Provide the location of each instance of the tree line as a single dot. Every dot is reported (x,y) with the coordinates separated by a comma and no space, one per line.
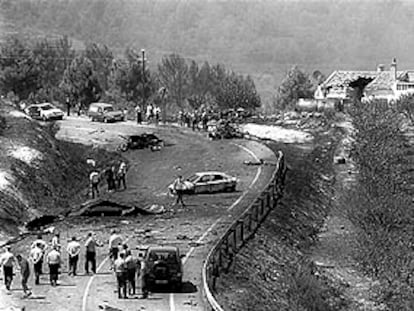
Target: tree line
(52,70)
(379,204)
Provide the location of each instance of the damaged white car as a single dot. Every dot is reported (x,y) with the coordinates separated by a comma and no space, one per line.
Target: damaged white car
(207,182)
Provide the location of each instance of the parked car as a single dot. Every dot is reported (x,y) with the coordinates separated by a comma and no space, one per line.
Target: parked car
(163,266)
(44,111)
(145,140)
(208,182)
(104,112)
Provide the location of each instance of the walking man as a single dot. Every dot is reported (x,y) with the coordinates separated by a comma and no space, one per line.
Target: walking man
(73,250)
(179,188)
(54,260)
(90,246)
(25,273)
(36,256)
(114,241)
(7,260)
(120,272)
(131,268)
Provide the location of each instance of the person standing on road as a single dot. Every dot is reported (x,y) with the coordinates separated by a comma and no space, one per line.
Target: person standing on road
(121,175)
(94,183)
(114,241)
(7,260)
(120,272)
(90,246)
(179,188)
(68,106)
(36,256)
(131,268)
(110,178)
(138,113)
(56,240)
(73,250)
(54,260)
(25,273)
(40,243)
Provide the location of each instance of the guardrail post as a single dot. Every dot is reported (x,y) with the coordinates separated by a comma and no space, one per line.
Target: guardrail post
(241,223)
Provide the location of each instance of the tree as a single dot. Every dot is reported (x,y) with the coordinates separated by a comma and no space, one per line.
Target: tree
(405,105)
(19,71)
(236,91)
(80,81)
(173,74)
(295,85)
(52,57)
(101,57)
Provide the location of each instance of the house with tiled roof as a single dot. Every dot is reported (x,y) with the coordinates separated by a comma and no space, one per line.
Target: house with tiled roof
(342,85)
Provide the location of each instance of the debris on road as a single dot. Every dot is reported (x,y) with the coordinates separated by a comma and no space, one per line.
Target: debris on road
(182,237)
(107,307)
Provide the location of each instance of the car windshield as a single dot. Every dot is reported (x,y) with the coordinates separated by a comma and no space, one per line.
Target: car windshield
(46,107)
(169,256)
(192,178)
(108,109)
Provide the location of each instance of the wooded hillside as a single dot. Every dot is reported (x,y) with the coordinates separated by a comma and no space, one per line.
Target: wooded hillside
(262,38)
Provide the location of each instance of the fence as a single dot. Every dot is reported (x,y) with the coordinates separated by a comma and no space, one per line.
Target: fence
(221,256)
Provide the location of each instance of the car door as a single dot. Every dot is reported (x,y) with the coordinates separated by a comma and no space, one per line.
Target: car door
(99,114)
(218,183)
(203,184)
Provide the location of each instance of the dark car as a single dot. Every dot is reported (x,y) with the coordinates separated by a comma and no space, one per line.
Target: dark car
(105,113)
(145,140)
(163,266)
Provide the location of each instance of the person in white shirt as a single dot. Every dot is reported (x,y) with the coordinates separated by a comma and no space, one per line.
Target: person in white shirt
(36,256)
(7,260)
(179,188)
(56,241)
(53,260)
(114,241)
(73,250)
(39,242)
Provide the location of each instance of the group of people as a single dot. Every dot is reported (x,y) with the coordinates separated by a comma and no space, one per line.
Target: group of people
(152,113)
(193,119)
(115,178)
(125,266)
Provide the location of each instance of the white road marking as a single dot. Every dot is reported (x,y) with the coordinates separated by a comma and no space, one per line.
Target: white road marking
(191,250)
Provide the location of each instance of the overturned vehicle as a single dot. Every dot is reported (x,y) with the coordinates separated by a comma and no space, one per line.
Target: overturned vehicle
(142,141)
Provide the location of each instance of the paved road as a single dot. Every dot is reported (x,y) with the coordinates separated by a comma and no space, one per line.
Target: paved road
(201,222)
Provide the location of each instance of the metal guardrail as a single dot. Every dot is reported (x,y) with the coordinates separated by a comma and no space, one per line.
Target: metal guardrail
(221,256)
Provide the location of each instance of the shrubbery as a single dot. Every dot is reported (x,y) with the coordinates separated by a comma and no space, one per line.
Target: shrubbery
(379,206)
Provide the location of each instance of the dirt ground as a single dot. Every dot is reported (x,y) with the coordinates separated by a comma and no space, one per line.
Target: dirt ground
(147,180)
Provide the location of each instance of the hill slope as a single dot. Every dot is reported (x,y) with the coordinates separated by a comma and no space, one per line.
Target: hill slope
(39,175)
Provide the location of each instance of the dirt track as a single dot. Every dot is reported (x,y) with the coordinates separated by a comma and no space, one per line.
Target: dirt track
(150,173)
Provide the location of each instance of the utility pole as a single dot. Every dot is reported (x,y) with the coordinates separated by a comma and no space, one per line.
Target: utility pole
(143,78)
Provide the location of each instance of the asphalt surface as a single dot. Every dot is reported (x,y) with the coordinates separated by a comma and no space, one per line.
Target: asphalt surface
(193,229)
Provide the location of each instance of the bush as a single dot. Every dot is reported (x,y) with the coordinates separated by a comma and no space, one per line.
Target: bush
(378,205)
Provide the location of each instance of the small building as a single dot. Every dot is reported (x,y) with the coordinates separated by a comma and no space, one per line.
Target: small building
(380,84)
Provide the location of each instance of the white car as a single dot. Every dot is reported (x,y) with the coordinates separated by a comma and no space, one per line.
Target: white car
(44,111)
(208,182)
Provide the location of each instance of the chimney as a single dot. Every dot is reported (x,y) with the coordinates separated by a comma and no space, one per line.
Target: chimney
(380,68)
(393,68)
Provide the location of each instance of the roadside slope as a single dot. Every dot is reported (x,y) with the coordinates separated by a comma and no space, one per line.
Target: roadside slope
(39,175)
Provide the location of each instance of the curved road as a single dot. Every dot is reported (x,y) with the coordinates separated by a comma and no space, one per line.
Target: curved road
(194,229)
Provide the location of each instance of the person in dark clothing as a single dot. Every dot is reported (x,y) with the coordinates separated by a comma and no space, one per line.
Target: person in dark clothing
(25,272)
(68,106)
(110,178)
(131,267)
(90,246)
